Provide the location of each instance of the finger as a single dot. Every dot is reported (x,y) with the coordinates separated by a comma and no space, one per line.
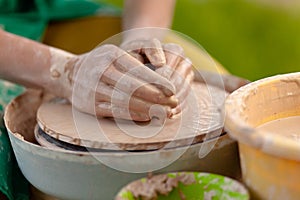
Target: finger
(127,63)
(184,68)
(166,71)
(106,93)
(135,87)
(186,87)
(105,109)
(178,109)
(174,55)
(182,94)
(133,46)
(154,52)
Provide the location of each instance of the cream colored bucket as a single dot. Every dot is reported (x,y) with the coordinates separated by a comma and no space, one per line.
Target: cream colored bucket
(270,162)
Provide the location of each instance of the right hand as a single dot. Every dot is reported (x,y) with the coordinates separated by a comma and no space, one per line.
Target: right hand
(168,60)
(110,83)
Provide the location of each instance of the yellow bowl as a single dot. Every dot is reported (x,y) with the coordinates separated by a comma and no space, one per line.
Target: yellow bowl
(270,162)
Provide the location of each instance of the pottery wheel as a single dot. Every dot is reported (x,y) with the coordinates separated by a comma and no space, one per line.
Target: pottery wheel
(200,120)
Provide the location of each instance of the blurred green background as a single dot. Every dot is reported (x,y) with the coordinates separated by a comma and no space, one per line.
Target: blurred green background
(251,39)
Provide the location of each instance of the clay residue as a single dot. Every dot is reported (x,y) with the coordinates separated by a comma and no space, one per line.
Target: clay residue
(209,195)
(19,136)
(288,127)
(20,113)
(291,80)
(55,74)
(233,186)
(151,188)
(61,71)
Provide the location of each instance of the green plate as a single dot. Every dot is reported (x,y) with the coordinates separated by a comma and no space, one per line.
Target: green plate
(184,185)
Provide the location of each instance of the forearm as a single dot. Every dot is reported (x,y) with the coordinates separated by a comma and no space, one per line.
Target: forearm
(148,13)
(26,62)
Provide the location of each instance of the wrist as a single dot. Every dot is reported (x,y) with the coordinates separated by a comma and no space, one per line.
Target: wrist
(145,33)
(62,66)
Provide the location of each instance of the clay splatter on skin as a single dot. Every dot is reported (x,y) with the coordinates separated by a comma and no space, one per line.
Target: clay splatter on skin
(60,64)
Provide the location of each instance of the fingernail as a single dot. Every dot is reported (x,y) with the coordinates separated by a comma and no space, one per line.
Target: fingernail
(167,91)
(173,101)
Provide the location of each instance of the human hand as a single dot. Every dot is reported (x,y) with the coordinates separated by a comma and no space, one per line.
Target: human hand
(168,60)
(107,80)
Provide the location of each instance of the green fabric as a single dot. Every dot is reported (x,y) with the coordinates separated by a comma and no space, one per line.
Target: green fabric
(29,19)
(12,182)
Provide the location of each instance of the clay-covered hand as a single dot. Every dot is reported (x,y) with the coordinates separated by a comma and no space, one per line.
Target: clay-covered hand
(111,83)
(168,60)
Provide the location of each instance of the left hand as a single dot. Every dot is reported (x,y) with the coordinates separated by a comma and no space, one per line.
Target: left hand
(109,82)
(168,60)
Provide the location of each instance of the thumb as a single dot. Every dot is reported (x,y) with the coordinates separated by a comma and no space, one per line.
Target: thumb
(154,52)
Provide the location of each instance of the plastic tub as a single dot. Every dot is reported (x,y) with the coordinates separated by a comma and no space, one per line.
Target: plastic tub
(270,162)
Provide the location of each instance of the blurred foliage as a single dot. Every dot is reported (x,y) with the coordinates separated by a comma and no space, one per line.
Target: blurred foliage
(250,39)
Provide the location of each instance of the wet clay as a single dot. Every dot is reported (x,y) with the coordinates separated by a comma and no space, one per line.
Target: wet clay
(59,60)
(151,188)
(205,116)
(288,127)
